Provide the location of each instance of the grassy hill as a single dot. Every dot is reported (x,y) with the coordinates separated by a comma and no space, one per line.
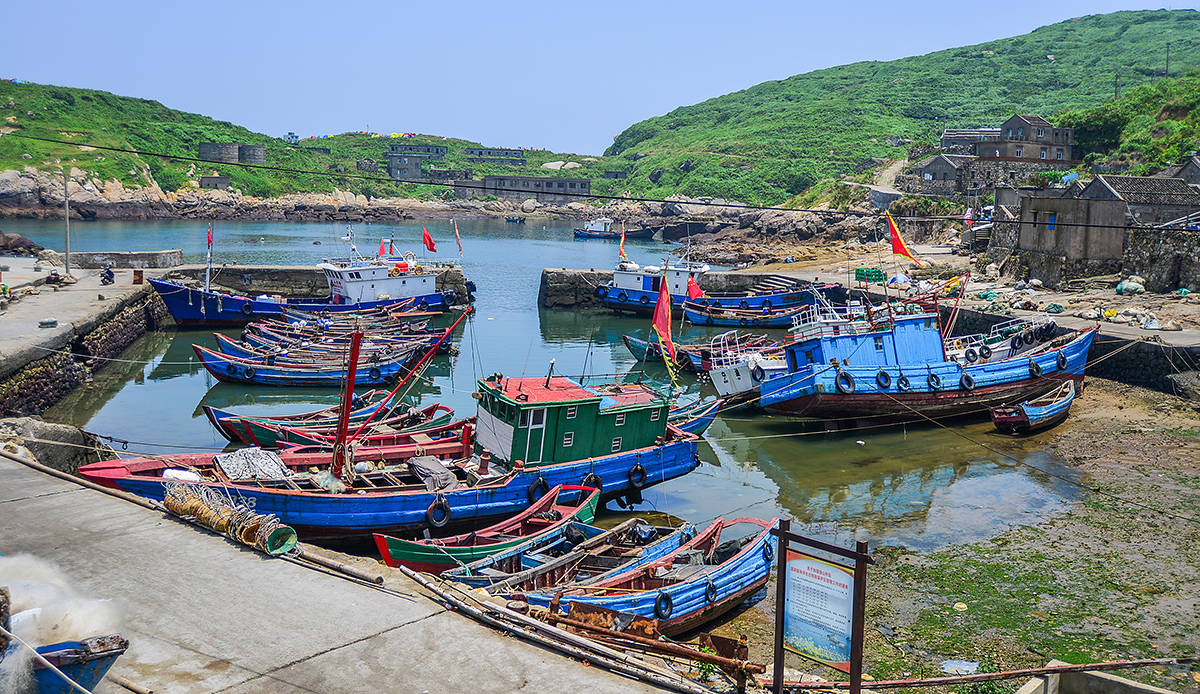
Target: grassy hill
(1147,128)
(775,139)
(102,118)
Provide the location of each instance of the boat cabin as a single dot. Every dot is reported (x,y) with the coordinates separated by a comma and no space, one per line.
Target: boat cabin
(602,225)
(629,275)
(915,338)
(353,280)
(555,419)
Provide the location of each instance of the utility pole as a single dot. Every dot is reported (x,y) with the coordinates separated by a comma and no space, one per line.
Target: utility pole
(67,223)
(1167,72)
(1117,85)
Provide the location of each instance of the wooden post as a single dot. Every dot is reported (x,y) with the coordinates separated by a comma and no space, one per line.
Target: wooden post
(66,224)
(859,618)
(780,601)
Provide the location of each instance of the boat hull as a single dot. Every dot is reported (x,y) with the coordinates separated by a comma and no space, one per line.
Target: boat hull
(643,300)
(191,306)
(233,370)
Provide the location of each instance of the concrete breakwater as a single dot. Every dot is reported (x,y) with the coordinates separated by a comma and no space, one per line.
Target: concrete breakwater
(576,288)
(295,281)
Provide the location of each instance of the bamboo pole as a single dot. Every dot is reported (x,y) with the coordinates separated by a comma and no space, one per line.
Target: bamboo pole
(336,565)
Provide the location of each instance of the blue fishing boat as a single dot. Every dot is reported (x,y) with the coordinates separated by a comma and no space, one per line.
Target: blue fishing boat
(634,288)
(85,662)
(318,353)
(331,374)
(581,554)
(602,228)
(356,284)
(765,317)
(695,417)
(530,434)
(228,422)
(895,366)
(1035,415)
(693,585)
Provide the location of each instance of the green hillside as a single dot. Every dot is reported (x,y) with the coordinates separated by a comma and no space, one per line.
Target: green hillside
(1148,128)
(775,139)
(102,118)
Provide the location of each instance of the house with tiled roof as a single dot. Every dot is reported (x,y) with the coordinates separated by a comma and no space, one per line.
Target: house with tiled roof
(943,174)
(1188,170)
(1029,137)
(1150,199)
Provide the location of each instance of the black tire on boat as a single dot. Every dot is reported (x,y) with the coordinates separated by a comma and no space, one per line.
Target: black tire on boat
(743,321)
(593,480)
(1061,360)
(710,591)
(883,379)
(431,513)
(247,308)
(538,489)
(766,305)
(622,297)
(971,355)
(231,369)
(844,383)
(967,382)
(934,381)
(1031,338)
(1035,369)
(768,552)
(902,383)
(637,476)
(984,351)
(375,373)
(743,304)
(645,300)
(1016,343)
(250,372)
(601,291)
(663,605)
(424,305)
(757,374)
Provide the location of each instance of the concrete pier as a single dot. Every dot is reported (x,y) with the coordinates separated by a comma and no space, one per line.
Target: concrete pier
(205,615)
(293,281)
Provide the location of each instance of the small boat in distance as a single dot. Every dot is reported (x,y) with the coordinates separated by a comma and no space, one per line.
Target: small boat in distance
(1038,414)
(602,228)
(514,220)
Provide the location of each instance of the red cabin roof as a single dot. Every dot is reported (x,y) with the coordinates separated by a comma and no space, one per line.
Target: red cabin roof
(563,389)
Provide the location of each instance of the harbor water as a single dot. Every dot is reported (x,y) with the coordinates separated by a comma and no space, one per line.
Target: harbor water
(918,485)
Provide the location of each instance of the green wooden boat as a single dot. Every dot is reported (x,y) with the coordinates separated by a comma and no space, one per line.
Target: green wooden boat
(546,516)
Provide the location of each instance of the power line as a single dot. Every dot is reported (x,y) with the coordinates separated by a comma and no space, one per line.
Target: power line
(594,196)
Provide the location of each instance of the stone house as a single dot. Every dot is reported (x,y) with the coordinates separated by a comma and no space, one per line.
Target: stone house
(1150,199)
(214,182)
(943,174)
(541,188)
(1188,170)
(967,137)
(1063,237)
(404,167)
(429,151)
(1030,137)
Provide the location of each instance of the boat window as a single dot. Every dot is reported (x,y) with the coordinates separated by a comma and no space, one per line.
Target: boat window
(654,415)
(621,419)
(655,283)
(878,342)
(524,419)
(539,416)
(808,356)
(572,411)
(568,439)
(616,445)
(928,323)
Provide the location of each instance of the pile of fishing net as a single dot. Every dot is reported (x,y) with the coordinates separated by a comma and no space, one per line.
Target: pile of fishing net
(238,521)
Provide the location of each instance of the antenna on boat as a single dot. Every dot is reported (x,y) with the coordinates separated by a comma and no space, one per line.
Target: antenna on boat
(549,373)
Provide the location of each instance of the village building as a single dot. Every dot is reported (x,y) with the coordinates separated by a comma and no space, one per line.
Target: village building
(966,138)
(1150,199)
(540,188)
(943,174)
(1030,137)
(404,167)
(214,182)
(417,150)
(1188,170)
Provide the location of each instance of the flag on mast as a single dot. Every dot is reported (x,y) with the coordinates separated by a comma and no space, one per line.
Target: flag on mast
(898,245)
(662,327)
(210,234)
(693,289)
(621,251)
(456,236)
(382,247)
(428,240)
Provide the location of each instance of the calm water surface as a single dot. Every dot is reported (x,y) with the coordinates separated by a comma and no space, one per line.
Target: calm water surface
(918,486)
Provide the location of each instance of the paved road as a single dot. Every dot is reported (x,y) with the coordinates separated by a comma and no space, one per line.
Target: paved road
(204,615)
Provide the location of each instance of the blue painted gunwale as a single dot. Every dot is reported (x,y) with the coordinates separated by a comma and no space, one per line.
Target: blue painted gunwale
(641,300)
(233,348)
(194,306)
(775,318)
(85,669)
(226,368)
(319,514)
(735,580)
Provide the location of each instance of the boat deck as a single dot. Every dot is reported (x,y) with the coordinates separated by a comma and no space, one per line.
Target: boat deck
(204,615)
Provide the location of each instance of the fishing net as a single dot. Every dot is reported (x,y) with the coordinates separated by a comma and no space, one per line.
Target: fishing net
(237,521)
(252,464)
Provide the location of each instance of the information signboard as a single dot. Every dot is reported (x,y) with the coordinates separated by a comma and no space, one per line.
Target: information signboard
(818,615)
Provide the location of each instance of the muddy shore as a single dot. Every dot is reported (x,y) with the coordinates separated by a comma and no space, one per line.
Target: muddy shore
(1115,577)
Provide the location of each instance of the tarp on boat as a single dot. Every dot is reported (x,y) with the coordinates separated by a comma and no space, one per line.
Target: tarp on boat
(431,471)
(252,464)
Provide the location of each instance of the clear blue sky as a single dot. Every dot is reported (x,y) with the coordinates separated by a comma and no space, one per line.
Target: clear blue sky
(556,74)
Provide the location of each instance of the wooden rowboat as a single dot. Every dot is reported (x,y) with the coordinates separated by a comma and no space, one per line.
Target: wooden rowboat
(1038,414)
(547,515)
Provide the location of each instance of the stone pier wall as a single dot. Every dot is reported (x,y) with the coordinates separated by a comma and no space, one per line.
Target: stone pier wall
(128,259)
(40,383)
(298,281)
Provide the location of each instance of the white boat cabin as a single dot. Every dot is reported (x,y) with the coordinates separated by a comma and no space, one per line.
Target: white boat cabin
(354,280)
(630,275)
(602,225)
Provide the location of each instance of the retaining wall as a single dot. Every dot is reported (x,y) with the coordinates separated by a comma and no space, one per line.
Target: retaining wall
(129,259)
(298,281)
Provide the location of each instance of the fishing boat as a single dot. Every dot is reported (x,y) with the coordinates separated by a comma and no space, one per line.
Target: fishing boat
(85,662)
(1035,415)
(765,317)
(364,405)
(258,372)
(634,288)
(530,434)
(549,514)
(398,428)
(514,220)
(695,417)
(694,357)
(356,283)
(695,584)
(581,554)
(602,228)
(318,354)
(895,366)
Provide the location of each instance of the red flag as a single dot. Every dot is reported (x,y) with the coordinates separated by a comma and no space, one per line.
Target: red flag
(693,290)
(382,248)
(428,240)
(621,250)
(898,245)
(391,248)
(662,319)
(457,237)
(210,234)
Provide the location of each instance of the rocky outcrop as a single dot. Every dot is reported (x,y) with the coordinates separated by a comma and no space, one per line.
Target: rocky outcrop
(15,244)
(60,446)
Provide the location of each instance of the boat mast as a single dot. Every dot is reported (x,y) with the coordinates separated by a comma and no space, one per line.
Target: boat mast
(341,458)
(208,262)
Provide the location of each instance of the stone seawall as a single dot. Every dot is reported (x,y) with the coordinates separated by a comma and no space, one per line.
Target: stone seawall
(293,281)
(576,288)
(32,381)
(129,259)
